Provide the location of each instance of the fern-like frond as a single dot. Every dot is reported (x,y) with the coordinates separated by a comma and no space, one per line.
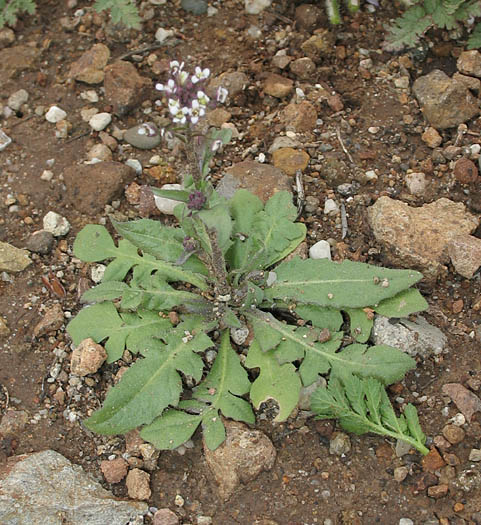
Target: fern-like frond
(122,11)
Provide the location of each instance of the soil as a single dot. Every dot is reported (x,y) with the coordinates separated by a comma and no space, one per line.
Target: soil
(307,485)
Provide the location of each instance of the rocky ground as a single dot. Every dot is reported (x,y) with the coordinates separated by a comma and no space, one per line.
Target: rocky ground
(388,147)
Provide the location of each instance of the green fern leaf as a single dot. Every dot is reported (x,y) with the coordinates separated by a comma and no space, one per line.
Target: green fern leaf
(121,11)
(407,29)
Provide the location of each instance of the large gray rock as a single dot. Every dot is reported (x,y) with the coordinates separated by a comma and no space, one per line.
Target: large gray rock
(445,102)
(418,237)
(413,337)
(242,457)
(46,488)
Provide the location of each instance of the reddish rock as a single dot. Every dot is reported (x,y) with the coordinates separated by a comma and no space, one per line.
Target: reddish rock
(125,89)
(91,186)
(138,484)
(335,102)
(89,68)
(289,160)
(432,138)
(262,180)
(300,117)
(277,85)
(52,320)
(438,491)
(465,171)
(165,517)
(433,461)
(114,471)
(87,358)
(241,458)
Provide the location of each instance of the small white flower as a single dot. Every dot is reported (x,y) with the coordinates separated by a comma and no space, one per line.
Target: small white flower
(174,106)
(183,76)
(202,98)
(159,87)
(216,145)
(200,74)
(170,88)
(181,116)
(222,94)
(196,111)
(175,66)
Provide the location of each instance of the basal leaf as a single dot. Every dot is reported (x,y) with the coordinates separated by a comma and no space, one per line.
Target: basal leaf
(150,384)
(275,381)
(361,322)
(275,230)
(119,330)
(386,363)
(171,429)
(219,219)
(337,285)
(94,243)
(320,316)
(156,239)
(412,420)
(265,333)
(315,360)
(403,304)
(175,195)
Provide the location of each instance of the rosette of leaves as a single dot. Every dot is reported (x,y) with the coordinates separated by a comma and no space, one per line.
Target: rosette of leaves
(273,324)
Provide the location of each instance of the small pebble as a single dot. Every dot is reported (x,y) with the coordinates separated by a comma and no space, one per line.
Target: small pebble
(161,35)
(320,250)
(454,434)
(18,99)
(100,121)
(331,207)
(406,521)
(55,114)
(475,454)
(340,444)
(56,224)
(400,473)
(135,164)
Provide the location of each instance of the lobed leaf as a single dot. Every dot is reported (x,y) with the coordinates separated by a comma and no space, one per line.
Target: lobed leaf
(337,285)
(275,381)
(120,330)
(93,243)
(121,11)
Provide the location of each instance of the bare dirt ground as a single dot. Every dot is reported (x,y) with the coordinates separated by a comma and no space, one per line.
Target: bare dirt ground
(307,485)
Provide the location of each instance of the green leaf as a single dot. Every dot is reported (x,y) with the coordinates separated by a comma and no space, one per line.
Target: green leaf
(337,285)
(315,361)
(124,330)
(121,11)
(361,323)
(407,29)
(218,393)
(150,384)
(275,231)
(219,219)
(362,406)
(320,316)
(10,10)
(474,40)
(278,382)
(175,195)
(386,363)
(156,239)
(93,243)
(403,304)
(243,209)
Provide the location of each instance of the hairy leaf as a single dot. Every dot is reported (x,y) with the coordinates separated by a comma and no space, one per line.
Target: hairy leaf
(474,41)
(337,285)
(407,29)
(150,384)
(93,243)
(403,304)
(121,330)
(10,9)
(320,316)
(156,239)
(362,406)
(361,321)
(121,11)
(218,393)
(275,381)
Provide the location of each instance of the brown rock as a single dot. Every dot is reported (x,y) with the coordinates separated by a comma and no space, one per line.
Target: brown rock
(465,171)
(138,484)
(277,85)
(319,46)
(432,138)
(445,102)
(300,117)
(165,517)
(334,101)
(290,160)
(7,37)
(114,471)
(13,421)
(469,63)
(451,459)
(4,329)
(441,443)
(89,68)
(474,84)
(281,61)
(14,60)
(418,237)
(453,434)
(218,116)
(125,89)
(52,320)
(91,186)
(262,180)
(241,458)
(308,16)
(467,402)
(304,68)
(87,358)
(438,491)
(133,442)
(432,461)
(235,82)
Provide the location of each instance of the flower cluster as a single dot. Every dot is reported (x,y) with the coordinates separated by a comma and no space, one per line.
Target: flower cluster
(187,100)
